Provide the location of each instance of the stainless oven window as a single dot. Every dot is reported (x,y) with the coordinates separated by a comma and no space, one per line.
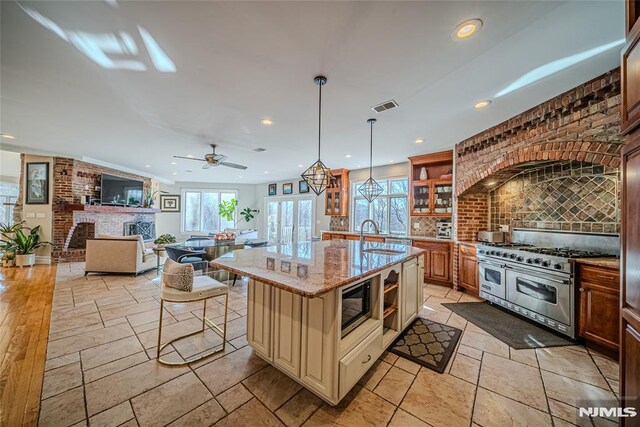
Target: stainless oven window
(493,276)
(536,290)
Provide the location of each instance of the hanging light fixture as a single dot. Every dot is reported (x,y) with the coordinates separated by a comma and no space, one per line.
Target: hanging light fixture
(317,176)
(370,189)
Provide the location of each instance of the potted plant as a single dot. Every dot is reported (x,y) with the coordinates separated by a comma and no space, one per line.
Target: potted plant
(8,259)
(149,194)
(8,232)
(24,245)
(227,208)
(165,239)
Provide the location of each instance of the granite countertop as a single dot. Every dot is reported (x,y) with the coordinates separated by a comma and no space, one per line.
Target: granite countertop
(390,236)
(607,262)
(311,269)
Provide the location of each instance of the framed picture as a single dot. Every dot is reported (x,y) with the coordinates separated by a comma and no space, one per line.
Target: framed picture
(271,264)
(287,188)
(303,187)
(285,266)
(272,189)
(302,271)
(170,203)
(37,183)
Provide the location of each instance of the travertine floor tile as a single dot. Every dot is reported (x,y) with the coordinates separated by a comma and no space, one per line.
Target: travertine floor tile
(62,361)
(109,352)
(113,417)
(252,413)
(492,409)
(407,365)
(87,340)
(485,343)
(571,391)
(373,376)
(570,363)
(170,401)
(115,366)
(299,408)
(404,419)
(204,415)
(359,408)
(518,381)
(465,368)
(65,409)
(526,356)
(272,387)
(440,399)
(394,385)
(608,367)
(228,370)
(109,391)
(61,379)
(234,397)
(567,413)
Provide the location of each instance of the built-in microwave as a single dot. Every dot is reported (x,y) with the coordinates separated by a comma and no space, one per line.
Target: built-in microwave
(356,306)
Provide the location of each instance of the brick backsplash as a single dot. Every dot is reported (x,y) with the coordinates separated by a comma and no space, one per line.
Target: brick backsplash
(569,196)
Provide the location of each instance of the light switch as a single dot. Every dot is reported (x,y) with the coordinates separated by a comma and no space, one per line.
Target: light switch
(30,215)
(40,215)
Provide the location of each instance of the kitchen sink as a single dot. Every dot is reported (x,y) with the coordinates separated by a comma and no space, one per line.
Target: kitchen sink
(382,251)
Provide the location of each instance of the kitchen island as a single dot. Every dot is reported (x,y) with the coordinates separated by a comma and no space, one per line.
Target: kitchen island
(323,312)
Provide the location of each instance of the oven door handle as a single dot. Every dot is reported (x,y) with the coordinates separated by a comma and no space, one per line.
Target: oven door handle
(542,276)
(484,262)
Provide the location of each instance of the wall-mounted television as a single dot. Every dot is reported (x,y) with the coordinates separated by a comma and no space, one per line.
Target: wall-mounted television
(115,190)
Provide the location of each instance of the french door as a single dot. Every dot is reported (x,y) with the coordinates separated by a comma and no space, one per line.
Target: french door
(289,219)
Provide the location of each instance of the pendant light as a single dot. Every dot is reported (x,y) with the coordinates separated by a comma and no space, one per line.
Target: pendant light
(370,189)
(317,176)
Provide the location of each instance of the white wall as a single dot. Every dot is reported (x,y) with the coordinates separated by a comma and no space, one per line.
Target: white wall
(169,222)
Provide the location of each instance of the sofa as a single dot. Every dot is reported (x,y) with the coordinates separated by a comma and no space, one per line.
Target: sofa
(118,254)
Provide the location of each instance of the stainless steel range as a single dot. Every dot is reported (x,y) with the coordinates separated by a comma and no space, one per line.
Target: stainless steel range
(534,276)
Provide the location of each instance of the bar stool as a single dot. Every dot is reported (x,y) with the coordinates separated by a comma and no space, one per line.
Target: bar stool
(204,288)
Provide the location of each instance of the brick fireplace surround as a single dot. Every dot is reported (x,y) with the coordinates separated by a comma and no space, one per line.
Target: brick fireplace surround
(581,125)
(73,179)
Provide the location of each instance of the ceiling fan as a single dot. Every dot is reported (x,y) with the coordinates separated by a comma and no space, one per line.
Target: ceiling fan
(214,159)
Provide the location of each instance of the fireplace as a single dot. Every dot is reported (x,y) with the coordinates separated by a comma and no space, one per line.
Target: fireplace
(80,234)
(147,229)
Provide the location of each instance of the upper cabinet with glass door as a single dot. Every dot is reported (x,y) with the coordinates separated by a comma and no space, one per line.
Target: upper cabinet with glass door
(337,194)
(431,192)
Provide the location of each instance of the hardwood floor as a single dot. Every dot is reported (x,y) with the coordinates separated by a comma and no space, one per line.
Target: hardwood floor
(25,312)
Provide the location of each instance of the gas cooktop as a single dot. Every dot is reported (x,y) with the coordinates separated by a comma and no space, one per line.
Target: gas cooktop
(564,252)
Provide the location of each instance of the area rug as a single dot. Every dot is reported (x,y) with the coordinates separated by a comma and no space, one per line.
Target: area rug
(511,329)
(427,343)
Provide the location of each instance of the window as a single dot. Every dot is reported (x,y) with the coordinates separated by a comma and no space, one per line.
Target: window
(389,210)
(8,196)
(200,213)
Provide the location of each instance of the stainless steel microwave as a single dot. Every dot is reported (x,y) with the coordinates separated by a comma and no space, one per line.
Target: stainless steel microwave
(356,306)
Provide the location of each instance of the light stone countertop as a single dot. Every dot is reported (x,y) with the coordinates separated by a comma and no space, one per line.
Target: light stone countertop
(311,269)
(607,262)
(390,236)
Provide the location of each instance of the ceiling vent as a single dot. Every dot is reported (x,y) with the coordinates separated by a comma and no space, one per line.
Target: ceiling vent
(259,149)
(387,105)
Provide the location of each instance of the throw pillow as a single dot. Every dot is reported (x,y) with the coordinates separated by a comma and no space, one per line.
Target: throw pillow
(178,276)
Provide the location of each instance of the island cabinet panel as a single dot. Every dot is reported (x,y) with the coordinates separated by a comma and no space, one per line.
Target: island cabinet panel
(259,313)
(409,291)
(319,337)
(599,317)
(287,331)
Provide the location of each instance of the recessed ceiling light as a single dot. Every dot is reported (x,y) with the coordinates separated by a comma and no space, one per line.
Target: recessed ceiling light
(173,163)
(266,171)
(266,122)
(358,166)
(175,173)
(6,135)
(391,161)
(147,166)
(190,156)
(240,176)
(348,156)
(467,29)
(299,166)
(419,141)
(482,104)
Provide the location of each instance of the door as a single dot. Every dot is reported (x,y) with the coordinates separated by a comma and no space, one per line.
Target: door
(630,265)
(289,220)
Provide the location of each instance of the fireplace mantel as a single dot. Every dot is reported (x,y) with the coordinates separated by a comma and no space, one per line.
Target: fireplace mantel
(109,209)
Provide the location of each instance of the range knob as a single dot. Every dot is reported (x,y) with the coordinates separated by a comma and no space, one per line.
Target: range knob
(546,263)
(481,251)
(498,253)
(512,256)
(537,261)
(529,261)
(492,252)
(505,255)
(557,266)
(520,258)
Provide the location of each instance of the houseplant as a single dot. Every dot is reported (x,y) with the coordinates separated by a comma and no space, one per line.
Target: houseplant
(165,239)
(149,194)
(8,259)
(24,245)
(227,208)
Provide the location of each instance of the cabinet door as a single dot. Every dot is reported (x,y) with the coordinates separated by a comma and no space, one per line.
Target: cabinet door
(259,312)
(287,331)
(599,315)
(409,291)
(318,363)
(630,77)
(469,272)
(326,236)
(439,265)
(630,360)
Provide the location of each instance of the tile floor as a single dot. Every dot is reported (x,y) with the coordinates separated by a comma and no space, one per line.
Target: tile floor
(101,371)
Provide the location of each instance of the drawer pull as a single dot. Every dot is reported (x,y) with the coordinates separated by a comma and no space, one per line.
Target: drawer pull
(368,359)
(604,276)
(581,289)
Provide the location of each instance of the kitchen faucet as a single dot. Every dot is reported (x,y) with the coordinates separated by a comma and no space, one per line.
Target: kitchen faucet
(376,230)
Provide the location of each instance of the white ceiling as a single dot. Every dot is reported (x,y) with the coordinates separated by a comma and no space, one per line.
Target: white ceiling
(238,62)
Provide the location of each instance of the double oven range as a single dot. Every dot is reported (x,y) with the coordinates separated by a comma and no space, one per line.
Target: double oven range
(534,276)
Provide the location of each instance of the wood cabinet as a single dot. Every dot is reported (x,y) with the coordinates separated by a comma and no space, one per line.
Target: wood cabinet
(599,305)
(438,261)
(433,195)
(337,194)
(468,268)
(337,236)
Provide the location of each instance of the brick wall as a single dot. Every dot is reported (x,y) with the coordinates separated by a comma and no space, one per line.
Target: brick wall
(73,179)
